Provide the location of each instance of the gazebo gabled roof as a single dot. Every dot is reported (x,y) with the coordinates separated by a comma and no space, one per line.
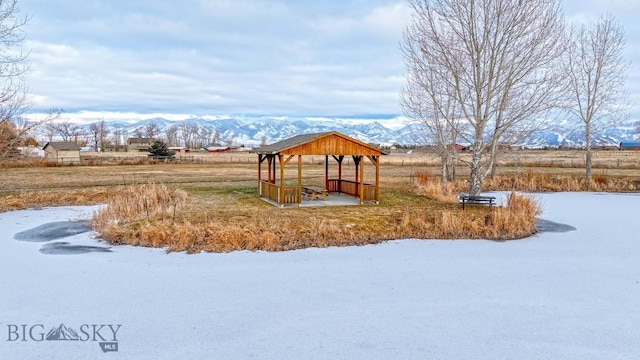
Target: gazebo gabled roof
(327,143)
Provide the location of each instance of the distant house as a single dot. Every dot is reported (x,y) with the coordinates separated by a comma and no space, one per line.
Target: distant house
(627,145)
(216,149)
(242,148)
(62,151)
(114,148)
(457,147)
(506,147)
(179,149)
(139,144)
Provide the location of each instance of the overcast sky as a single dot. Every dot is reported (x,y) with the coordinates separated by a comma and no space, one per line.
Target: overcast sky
(237,57)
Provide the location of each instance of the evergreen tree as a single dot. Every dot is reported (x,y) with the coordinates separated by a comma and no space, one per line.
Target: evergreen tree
(160,149)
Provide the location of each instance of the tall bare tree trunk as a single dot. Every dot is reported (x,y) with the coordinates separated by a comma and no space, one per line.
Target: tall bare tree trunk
(452,173)
(477,173)
(587,149)
(597,75)
(445,169)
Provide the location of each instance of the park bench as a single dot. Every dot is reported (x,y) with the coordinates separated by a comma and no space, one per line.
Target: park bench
(465,199)
(314,192)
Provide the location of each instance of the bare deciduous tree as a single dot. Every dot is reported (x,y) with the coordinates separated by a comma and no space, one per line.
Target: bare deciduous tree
(17,131)
(189,133)
(208,135)
(216,136)
(14,100)
(496,60)
(151,130)
(13,62)
(437,121)
(229,141)
(118,143)
(94,136)
(68,131)
(172,135)
(597,75)
(97,135)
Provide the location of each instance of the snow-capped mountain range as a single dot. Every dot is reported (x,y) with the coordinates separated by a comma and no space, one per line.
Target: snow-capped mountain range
(383,131)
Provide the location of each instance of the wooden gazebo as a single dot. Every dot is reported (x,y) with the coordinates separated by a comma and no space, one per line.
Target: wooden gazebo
(330,144)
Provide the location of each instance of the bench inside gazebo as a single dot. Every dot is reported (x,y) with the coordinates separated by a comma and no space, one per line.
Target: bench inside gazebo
(333,145)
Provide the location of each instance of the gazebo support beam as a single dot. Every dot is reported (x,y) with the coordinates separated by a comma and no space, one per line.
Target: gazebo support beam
(339,160)
(326,171)
(269,166)
(356,161)
(299,179)
(260,159)
(282,164)
(377,179)
(273,168)
(375,160)
(361,181)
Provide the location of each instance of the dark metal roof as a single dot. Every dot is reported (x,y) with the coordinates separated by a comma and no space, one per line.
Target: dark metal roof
(63,145)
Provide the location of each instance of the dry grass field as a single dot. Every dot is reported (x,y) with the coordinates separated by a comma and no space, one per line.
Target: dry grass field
(212,204)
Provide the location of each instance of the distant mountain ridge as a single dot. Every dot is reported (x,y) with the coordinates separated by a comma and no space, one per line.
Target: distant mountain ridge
(252,131)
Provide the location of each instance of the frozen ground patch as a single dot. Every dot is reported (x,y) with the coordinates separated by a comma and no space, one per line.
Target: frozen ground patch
(65,248)
(52,231)
(556,295)
(550,226)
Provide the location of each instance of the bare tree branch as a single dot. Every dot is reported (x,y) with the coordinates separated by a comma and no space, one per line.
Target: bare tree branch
(490,65)
(597,76)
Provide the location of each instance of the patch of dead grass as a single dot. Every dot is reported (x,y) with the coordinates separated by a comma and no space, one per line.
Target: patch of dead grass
(35,199)
(258,226)
(532,181)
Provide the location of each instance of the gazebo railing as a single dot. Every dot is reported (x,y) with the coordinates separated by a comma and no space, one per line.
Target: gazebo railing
(271,191)
(352,188)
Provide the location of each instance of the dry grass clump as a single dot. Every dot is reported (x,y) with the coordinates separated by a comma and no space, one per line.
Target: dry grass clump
(433,188)
(262,232)
(513,221)
(540,182)
(136,202)
(31,163)
(528,181)
(36,199)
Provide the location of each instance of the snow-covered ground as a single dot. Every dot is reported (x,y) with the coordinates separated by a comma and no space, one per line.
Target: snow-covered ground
(556,295)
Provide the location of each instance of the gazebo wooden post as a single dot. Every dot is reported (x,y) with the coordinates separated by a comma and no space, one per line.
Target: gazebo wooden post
(299,179)
(269,161)
(326,172)
(273,167)
(377,158)
(260,158)
(356,161)
(339,159)
(281,191)
(361,181)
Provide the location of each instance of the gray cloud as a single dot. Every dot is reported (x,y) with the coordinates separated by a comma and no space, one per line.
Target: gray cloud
(232,56)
